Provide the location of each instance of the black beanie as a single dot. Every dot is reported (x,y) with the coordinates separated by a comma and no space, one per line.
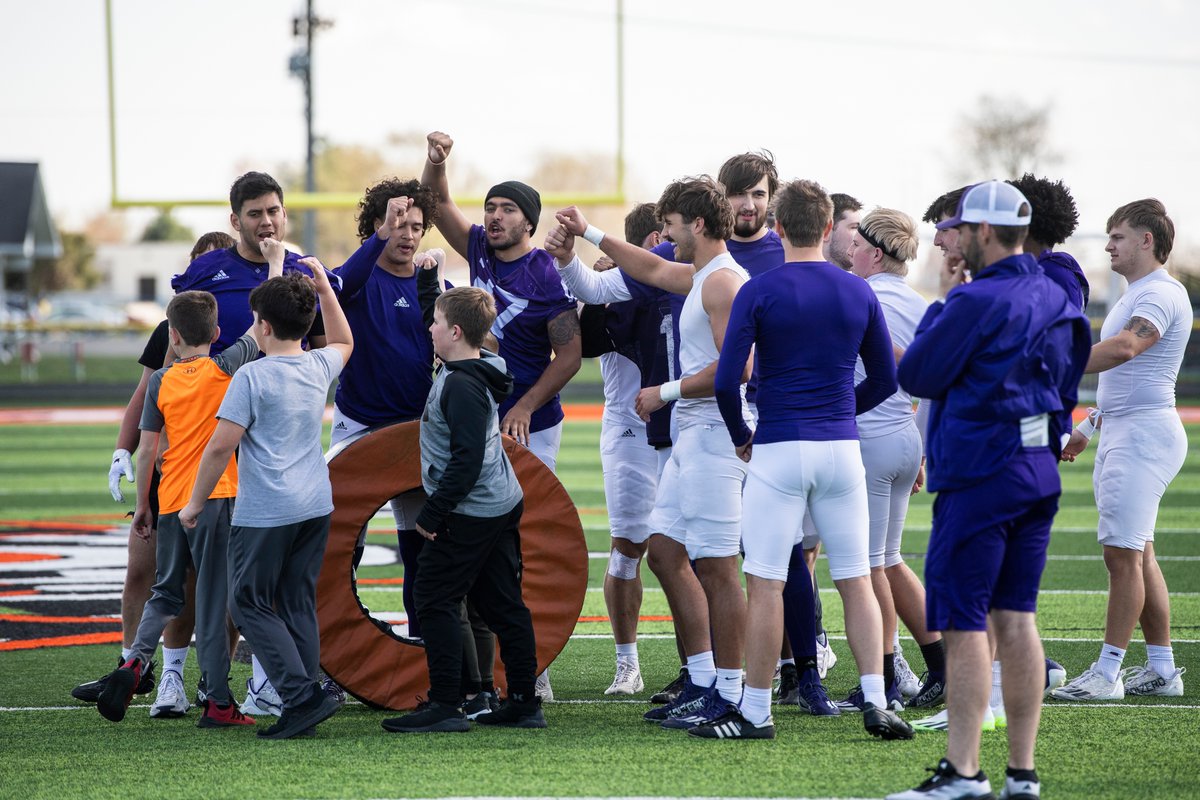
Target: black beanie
(524,195)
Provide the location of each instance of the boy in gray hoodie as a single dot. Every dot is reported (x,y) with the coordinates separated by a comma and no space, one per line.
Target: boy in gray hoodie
(471,523)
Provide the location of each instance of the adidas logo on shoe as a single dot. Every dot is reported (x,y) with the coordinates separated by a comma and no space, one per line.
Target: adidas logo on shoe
(629,434)
(401,303)
(220,276)
(341,426)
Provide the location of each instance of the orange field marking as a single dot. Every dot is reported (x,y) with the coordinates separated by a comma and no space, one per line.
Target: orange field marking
(38,618)
(62,641)
(640,619)
(14,558)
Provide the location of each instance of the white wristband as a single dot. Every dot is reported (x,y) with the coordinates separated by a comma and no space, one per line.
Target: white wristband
(1086,427)
(672,390)
(593,235)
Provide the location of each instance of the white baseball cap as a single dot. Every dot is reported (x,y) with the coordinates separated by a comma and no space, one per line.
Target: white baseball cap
(993,202)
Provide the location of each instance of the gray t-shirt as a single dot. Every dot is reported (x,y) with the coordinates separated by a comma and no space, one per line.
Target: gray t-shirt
(280,401)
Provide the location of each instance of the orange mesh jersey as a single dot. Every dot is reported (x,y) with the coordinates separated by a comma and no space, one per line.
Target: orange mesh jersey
(182,402)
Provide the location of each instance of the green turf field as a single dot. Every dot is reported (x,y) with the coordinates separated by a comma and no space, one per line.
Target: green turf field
(52,747)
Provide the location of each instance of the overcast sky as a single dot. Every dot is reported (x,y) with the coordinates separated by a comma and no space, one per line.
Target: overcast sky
(865,97)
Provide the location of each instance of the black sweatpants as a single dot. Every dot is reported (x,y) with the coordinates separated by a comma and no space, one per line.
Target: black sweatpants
(479,558)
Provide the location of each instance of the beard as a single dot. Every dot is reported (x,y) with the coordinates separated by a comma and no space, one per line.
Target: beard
(747,228)
(839,256)
(972,256)
(510,237)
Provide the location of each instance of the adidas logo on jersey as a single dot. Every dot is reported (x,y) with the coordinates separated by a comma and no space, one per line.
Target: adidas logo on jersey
(220,276)
(401,303)
(629,434)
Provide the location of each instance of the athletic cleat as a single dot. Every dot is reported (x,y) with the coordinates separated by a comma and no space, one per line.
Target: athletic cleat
(947,784)
(1091,685)
(732,725)
(1021,789)
(906,679)
(1145,682)
(714,706)
(480,704)
(788,691)
(432,717)
(628,679)
(932,693)
(90,692)
(219,716)
(514,713)
(884,723)
(331,687)
(298,720)
(826,658)
(172,701)
(812,698)
(1056,676)
(668,693)
(541,687)
(941,722)
(118,690)
(856,702)
(260,701)
(688,700)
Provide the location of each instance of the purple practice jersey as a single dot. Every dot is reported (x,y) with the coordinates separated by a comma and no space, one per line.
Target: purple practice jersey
(390,372)
(809,321)
(230,278)
(528,294)
(758,256)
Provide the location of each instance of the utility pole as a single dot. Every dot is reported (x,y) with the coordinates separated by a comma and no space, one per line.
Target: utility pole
(300,65)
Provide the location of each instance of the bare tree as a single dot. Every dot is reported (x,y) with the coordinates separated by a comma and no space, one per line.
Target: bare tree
(1004,138)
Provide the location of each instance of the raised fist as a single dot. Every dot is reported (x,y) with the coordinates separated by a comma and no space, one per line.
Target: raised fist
(439,147)
(572,219)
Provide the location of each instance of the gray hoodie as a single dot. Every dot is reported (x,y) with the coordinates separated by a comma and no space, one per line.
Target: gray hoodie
(464,468)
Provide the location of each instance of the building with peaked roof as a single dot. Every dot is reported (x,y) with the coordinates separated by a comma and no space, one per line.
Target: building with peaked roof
(27,233)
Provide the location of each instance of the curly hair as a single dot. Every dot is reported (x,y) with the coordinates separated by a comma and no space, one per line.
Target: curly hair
(1055,216)
(945,205)
(698,197)
(373,206)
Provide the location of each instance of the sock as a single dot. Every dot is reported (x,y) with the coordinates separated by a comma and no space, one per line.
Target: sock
(1162,659)
(628,652)
(174,658)
(260,674)
(997,700)
(729,684)
(1109,663)
(934,654)
(889,670)
(701,669)
(125,653)
(799,621)
(783,661)
(756,705)
(873,690)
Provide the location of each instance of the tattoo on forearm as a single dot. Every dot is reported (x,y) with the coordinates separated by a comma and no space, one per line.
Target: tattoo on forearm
(1141,328)
(563,328)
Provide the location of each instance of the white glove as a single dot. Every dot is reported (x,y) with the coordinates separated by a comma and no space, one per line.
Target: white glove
(121,465)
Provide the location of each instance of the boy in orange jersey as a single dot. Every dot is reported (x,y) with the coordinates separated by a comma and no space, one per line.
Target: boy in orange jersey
(181,404)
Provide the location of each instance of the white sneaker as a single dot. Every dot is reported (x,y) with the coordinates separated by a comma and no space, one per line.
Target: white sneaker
(261,701)
(542,687)
(1023,789)
(947,784)
(941,721)
(1091,685)
(826,658)
(906,680)
(1145,681)
(628,679)
(171,701)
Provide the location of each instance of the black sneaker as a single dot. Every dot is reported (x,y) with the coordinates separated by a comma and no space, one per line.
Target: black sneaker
(668,693)
(90,692)
(947,784)
(482,703)
(931,694)
(297,720)
(516,713)
(435,717)
(788,691)
(118,690)
(884,723)
(732,725)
